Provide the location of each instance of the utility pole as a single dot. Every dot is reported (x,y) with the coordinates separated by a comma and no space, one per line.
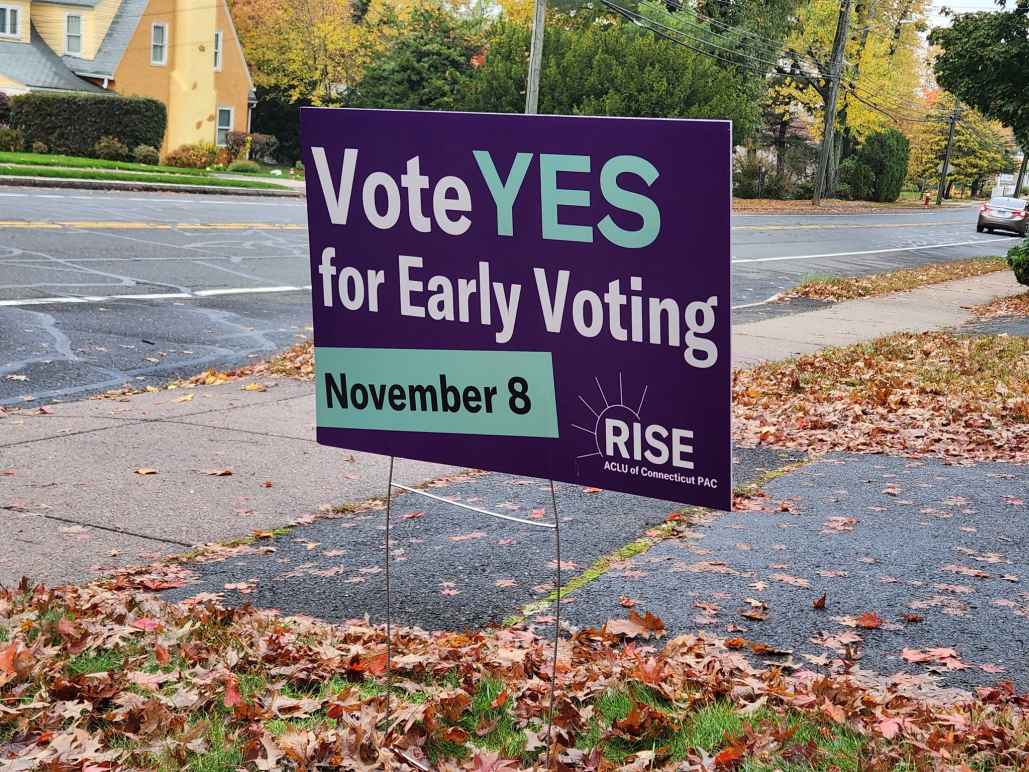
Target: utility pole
(532,87)
(1021,172)
(835,73)
(954,116)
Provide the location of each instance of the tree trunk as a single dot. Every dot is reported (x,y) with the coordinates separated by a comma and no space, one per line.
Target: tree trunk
(864,14)
(780,145)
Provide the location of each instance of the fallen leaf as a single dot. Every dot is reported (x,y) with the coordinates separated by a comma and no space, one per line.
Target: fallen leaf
(637,626)
(791,580)
(869,620)
(145,470)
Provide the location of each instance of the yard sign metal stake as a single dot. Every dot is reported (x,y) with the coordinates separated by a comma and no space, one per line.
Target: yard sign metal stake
(531,107)
(557,619)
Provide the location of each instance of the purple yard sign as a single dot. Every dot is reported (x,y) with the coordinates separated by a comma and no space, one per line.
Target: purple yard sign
(539,295)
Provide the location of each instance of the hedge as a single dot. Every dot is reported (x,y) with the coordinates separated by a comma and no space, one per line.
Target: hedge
(72,124)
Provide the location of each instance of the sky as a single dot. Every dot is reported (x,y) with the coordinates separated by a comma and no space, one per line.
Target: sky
(960,6)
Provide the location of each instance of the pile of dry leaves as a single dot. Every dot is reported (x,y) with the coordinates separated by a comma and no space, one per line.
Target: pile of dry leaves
(851,287)
(106,676)
(961,398)
(295,362)
(828,206)
(1015,305)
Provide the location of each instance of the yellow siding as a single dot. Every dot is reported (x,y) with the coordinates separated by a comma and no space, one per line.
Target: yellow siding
(188,84)
(49,21)
(135,75)
(23,18)
(191,101)
(232,82)
(11,86)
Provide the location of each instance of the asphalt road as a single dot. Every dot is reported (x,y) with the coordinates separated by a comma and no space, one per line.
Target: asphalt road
(99,289)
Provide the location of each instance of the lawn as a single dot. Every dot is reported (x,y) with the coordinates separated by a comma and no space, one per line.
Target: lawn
(198,178)
(78,162)
(108,674)
(838,288)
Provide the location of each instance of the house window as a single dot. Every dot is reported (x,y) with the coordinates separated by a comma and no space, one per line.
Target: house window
(159,44)
(72,34)
(8,21)
(217,51)
(224,126)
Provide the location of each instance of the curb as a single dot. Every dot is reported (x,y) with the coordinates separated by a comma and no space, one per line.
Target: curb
(156,187)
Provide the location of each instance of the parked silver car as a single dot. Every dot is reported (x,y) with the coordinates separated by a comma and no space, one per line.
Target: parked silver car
(1006,214)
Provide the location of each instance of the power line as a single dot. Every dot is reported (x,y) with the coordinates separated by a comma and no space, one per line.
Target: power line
(642,21)
(773,45)
(663,30)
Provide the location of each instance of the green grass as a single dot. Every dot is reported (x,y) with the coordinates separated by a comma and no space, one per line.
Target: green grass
(115,176)
(281,726)
(503,736)
(709,729)
(99,662)
(78,162)
(221,755)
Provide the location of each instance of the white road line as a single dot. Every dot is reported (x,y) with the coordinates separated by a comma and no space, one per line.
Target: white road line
(865,251)
(150,296)
(246,291)
(764,302)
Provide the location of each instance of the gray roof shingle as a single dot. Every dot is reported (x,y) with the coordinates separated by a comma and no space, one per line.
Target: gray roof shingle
(38,67)
(112,49)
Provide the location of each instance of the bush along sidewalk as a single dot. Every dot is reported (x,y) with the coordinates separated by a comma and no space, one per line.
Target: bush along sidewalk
(74,124)
(1018,259)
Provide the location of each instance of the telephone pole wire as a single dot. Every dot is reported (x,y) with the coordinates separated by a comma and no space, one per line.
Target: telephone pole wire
(532,87)
(954,116)
(835,74)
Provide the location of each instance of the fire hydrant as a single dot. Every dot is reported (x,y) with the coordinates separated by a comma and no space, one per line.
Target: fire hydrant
(925,199)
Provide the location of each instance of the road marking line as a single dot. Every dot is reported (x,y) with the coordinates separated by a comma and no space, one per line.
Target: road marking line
(161,226)
(865,251)
(764,302)
(68,299)
(246,291)
(842,226)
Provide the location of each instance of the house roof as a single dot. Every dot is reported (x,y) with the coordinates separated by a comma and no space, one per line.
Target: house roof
(82,3)
(112,49)
(38,67)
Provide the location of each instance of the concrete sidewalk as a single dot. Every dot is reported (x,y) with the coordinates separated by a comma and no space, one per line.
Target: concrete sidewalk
(73,504)
(932,307)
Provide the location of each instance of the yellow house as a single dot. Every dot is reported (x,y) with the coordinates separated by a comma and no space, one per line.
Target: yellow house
(183,52)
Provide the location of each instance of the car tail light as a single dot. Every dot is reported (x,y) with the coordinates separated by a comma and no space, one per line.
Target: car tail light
(982,208)
(1019,213)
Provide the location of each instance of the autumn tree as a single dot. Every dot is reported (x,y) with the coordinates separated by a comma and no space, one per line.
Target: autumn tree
(881,84)
(980,149)
(594,65)
(425,68)
(983,60)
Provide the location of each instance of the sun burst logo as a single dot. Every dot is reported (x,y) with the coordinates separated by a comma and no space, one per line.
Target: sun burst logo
(619,412)
(627,445)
